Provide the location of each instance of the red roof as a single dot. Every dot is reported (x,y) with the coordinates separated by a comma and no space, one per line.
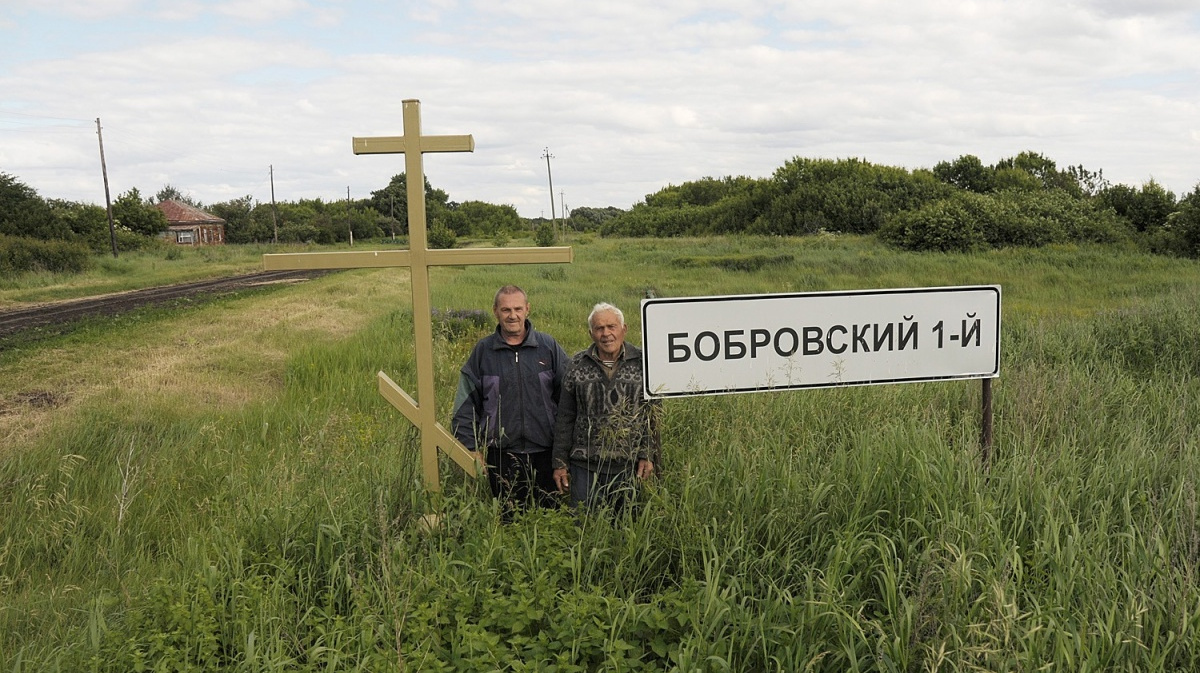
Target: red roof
(181,213)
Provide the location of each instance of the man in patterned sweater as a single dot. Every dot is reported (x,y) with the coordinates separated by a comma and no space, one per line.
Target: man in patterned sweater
(606,437)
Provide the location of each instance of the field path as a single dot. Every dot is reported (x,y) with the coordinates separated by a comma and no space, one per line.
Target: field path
(65,312)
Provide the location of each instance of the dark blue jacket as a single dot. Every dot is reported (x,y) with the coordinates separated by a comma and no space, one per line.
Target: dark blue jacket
(508,395)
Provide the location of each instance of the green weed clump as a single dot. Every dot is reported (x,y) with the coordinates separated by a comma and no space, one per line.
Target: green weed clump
(845,529)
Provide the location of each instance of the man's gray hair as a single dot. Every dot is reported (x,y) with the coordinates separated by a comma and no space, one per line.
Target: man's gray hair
(508,289)
(605,307)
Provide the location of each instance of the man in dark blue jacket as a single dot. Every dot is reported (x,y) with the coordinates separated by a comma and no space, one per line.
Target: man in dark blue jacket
(506,404)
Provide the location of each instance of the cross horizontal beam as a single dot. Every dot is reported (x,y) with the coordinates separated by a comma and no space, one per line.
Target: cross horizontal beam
(398,144)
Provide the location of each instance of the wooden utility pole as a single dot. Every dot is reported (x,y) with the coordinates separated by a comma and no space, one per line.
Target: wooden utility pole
(112,231)
(274,217)
(562,202)
(547,156)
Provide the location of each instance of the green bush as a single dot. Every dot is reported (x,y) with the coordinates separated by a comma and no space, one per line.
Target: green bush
(943,226)
(25,255)
(1012,217)
(544,236)
(442,237)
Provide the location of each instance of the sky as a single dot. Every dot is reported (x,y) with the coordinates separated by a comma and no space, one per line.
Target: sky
(216,97)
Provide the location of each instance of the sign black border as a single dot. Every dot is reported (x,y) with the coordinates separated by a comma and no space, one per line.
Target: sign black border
(995,373)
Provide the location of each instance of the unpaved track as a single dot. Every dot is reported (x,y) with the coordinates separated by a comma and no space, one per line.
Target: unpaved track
(58,314)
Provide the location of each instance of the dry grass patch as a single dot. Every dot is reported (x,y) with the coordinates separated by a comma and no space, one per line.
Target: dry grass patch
(219,356)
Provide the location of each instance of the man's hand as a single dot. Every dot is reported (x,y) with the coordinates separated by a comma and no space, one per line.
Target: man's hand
(645,469)
(561,480)
(481,461)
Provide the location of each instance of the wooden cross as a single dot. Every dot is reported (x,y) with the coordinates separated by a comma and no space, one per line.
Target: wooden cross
(419,258)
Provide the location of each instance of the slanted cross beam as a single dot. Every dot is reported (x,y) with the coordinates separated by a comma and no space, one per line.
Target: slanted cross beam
(418,258)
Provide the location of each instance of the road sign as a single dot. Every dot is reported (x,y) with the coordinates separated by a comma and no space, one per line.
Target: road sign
(748,343)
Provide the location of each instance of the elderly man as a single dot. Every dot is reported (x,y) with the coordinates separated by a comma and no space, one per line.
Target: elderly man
(504,410)
(606,438)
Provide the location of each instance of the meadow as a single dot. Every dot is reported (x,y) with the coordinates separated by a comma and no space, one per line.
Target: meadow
(221,487)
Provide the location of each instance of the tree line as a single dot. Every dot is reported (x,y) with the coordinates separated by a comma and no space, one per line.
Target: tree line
(959,205)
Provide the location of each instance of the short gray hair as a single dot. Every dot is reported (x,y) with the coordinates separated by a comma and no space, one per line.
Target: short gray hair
(605,307)
(508,289)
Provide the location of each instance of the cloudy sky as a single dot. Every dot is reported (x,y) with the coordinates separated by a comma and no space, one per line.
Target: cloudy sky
(627,96)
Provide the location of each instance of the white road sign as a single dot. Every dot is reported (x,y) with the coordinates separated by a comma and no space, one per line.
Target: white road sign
(748,343)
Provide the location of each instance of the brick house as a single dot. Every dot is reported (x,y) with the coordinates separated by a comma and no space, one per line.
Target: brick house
(188,225)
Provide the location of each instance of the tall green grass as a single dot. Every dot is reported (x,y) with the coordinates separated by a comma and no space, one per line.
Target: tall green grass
(840,529)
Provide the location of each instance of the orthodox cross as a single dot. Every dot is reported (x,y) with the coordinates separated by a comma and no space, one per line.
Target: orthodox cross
(418,258)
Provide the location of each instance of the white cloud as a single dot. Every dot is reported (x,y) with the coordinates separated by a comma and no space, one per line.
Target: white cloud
(628,96)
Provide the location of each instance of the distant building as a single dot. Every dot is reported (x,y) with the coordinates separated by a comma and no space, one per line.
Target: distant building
(188,225)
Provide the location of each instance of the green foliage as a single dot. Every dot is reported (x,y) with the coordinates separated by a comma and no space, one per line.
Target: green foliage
(137,215)
(1042,173)
(392,201)
(752,262)
(950,225)
(484,219)
(1014,217)
(1146,208)
(842,529)
(441,236)
(592,219)
(545,235)
(27,255)
(23,213)
(170,192)
(844,196)
(240,223)
(967,172)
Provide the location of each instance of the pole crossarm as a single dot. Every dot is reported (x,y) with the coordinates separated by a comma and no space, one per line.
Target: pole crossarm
(419,258)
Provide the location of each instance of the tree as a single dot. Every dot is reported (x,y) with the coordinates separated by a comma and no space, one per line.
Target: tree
(1146,209)
(137,215)
(592,219)
(967,172)
(24,213)
(239,222)
(392,201)
(1044,172)
(170,193)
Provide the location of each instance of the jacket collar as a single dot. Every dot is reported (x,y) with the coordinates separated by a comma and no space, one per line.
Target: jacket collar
(530,340)
(628,352)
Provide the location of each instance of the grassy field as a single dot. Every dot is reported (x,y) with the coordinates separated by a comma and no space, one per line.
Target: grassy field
(222,488)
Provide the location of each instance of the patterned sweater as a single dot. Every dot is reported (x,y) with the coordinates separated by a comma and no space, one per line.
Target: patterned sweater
(605,422)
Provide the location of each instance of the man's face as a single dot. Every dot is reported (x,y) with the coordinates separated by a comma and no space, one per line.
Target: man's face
(511,311)
(608,333)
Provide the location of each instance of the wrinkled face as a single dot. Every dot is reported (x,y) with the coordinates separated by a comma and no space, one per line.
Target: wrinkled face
(511,310)
(608,333)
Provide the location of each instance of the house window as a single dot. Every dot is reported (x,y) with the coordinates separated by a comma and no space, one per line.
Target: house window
(185,237)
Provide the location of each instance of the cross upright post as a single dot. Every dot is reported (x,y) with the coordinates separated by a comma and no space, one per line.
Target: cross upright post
(419,258)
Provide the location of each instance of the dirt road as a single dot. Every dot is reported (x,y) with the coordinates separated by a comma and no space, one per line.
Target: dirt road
(56,317)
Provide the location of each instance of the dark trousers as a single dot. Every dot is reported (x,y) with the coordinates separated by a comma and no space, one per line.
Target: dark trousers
(521,480)
(615,490)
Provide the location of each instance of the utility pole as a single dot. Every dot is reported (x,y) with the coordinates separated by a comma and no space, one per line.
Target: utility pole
(112,232)
(274,217)
(547,156)
(349,225)
(562,201)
